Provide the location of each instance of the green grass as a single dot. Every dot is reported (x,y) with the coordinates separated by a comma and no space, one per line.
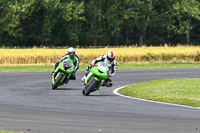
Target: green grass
(31,68)
(9,132)
(149,66)
(178,91)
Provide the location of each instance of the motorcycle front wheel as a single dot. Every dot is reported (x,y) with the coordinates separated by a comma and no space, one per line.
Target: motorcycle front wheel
(92,85)
(57,81)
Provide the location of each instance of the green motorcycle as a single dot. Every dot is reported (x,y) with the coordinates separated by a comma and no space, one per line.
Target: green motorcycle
(94,79)
(64,71)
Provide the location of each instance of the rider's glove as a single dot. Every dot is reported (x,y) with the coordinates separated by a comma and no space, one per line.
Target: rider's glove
(92,65)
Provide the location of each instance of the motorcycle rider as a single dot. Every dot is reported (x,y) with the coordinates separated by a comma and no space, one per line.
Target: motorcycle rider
(110,61)
(75,59)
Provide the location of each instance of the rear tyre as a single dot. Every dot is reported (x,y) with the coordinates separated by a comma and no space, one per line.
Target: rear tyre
(57,82)
(91,87)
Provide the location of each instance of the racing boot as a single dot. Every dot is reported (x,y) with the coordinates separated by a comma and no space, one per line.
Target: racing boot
(83,79)
(107,83)
(86,73)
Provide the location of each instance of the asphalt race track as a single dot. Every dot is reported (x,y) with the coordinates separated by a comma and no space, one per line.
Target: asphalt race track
(28,104)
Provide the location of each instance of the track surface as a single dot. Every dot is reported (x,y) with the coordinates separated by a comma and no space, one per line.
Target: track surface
(28,104)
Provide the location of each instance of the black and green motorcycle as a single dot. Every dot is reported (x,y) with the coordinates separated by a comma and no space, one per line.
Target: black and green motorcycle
(65,69)
(95,77)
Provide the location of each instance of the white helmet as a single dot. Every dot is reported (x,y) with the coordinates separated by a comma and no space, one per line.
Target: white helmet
(71,52)
(110,56)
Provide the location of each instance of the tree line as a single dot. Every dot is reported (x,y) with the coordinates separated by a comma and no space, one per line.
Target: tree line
(99,22)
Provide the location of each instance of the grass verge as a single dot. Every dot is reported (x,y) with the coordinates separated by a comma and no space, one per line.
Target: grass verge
(150,66)
(32,68)
(178,91)
(9,132)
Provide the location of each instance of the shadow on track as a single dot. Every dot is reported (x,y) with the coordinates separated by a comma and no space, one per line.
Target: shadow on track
(68,89)
(96,95)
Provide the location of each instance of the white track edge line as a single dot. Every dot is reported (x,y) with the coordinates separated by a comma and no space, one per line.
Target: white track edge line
(140,99)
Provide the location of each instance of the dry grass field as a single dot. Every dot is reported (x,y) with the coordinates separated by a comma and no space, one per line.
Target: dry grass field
(124,55)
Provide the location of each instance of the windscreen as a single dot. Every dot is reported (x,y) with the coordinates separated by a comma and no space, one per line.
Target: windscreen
(68,63)
(102,67)
(102,64)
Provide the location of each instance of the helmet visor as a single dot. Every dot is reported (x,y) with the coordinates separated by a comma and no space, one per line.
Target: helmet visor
(71,54)
(110,59)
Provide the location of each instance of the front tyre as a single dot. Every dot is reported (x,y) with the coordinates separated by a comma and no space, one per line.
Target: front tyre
(57,82)
(91,87)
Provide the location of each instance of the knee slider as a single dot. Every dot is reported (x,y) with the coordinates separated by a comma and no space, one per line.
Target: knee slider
(57,63)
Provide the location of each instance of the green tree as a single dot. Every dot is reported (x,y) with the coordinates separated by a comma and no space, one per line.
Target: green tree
(32,21)
(99,23)
(183,12)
